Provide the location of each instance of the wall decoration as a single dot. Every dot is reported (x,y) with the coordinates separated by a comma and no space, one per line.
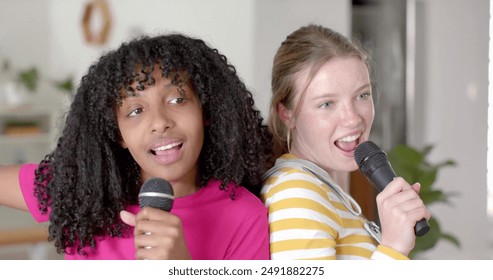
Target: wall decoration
(92,9)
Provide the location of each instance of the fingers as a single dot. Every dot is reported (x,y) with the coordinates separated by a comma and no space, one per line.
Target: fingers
(156,247)
(157,227)
(400,197)
(399,208)
(400,191)
(128,218)
(395,186)
(153,220)
(159,235)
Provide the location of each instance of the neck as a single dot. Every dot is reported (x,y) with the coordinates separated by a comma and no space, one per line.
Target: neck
(184,189)
(341,178)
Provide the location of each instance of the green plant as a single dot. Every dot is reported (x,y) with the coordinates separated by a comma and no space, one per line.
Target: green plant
(29,78)
(412,165)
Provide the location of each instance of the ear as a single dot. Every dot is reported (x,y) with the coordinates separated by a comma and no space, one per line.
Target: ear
(286,115)
(123,144)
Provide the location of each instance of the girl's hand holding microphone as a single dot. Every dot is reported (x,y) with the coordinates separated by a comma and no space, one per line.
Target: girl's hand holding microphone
(158,235)
(400,207)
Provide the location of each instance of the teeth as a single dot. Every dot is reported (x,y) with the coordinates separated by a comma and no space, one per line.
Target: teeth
(349,138)
(167,147)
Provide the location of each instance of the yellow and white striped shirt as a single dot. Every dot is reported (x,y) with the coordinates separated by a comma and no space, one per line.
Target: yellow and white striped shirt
(307,220)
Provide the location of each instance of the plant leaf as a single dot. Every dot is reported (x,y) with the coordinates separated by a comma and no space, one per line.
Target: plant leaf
(429,240)
(29,78)
(430,196)
(426,150)
(411,164)
(452,239)
(65,85)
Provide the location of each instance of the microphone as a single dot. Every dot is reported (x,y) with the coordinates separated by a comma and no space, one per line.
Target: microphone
(156,193)
(373,162)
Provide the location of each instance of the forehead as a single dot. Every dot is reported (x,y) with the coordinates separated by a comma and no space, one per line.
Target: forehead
(336,74)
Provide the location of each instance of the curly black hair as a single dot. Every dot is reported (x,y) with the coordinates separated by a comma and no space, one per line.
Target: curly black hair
(89,178)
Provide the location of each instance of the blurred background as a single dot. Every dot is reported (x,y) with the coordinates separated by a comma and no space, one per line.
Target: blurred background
(430,68)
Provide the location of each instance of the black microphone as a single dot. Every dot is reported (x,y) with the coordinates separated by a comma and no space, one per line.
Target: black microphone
(373,162)
(156,193)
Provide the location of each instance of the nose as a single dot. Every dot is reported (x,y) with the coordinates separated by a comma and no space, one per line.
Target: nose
(350,116)
(161,120)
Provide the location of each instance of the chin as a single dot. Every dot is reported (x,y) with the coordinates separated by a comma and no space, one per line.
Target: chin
(351,167)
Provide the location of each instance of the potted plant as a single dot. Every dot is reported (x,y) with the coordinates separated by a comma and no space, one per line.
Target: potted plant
(16,84)
(412,165)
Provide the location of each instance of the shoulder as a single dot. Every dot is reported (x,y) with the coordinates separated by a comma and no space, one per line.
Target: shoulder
(294,186)
(27,176)
(247,199)
(243,200)
(290,179)
(27,170)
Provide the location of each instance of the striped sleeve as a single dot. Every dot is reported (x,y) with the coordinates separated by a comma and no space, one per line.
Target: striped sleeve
(387,253)
(307,220)
(302,222)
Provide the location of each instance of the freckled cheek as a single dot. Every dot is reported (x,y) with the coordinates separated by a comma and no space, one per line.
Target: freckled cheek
(367,112)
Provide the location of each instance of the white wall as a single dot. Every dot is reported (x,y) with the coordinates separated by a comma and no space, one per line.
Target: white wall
(215,21)
(275,19)
(451,110)
(24,25)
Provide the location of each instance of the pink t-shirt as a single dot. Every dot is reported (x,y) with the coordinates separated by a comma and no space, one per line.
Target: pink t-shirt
(215,226)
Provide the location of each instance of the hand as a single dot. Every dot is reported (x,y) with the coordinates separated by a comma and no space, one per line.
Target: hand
(158,235)
(400,207)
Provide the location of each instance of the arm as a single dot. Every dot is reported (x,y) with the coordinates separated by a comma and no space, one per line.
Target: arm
(303,223)
(10,191)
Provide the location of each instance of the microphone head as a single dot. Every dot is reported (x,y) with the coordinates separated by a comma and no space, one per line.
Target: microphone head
(156,193)
(369,157)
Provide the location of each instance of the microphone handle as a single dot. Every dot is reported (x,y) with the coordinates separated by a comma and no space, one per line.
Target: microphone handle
(380,178)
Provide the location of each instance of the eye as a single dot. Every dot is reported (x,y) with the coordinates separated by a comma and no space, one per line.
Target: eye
(178,100)
(364,96)
(327,104)
(135,112)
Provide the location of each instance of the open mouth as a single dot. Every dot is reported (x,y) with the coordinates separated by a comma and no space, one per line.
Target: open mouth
(162,150)
(348,143)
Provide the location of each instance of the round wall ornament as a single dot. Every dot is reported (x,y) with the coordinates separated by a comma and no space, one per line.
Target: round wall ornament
(96,34)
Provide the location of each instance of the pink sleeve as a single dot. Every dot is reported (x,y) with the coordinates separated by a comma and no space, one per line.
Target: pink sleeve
(26,181)
(251,240)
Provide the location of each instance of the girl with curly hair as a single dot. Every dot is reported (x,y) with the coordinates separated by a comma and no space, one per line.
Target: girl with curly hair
(169,107)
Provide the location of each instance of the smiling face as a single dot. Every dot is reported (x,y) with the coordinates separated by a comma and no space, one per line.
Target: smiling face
(162,127)
(335,114)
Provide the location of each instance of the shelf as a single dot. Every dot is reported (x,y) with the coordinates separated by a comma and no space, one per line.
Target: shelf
(28,133)
(44,138)
(24,235)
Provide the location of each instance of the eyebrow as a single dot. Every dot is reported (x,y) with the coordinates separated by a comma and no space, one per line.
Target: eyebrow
(329,94)
(364,86)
